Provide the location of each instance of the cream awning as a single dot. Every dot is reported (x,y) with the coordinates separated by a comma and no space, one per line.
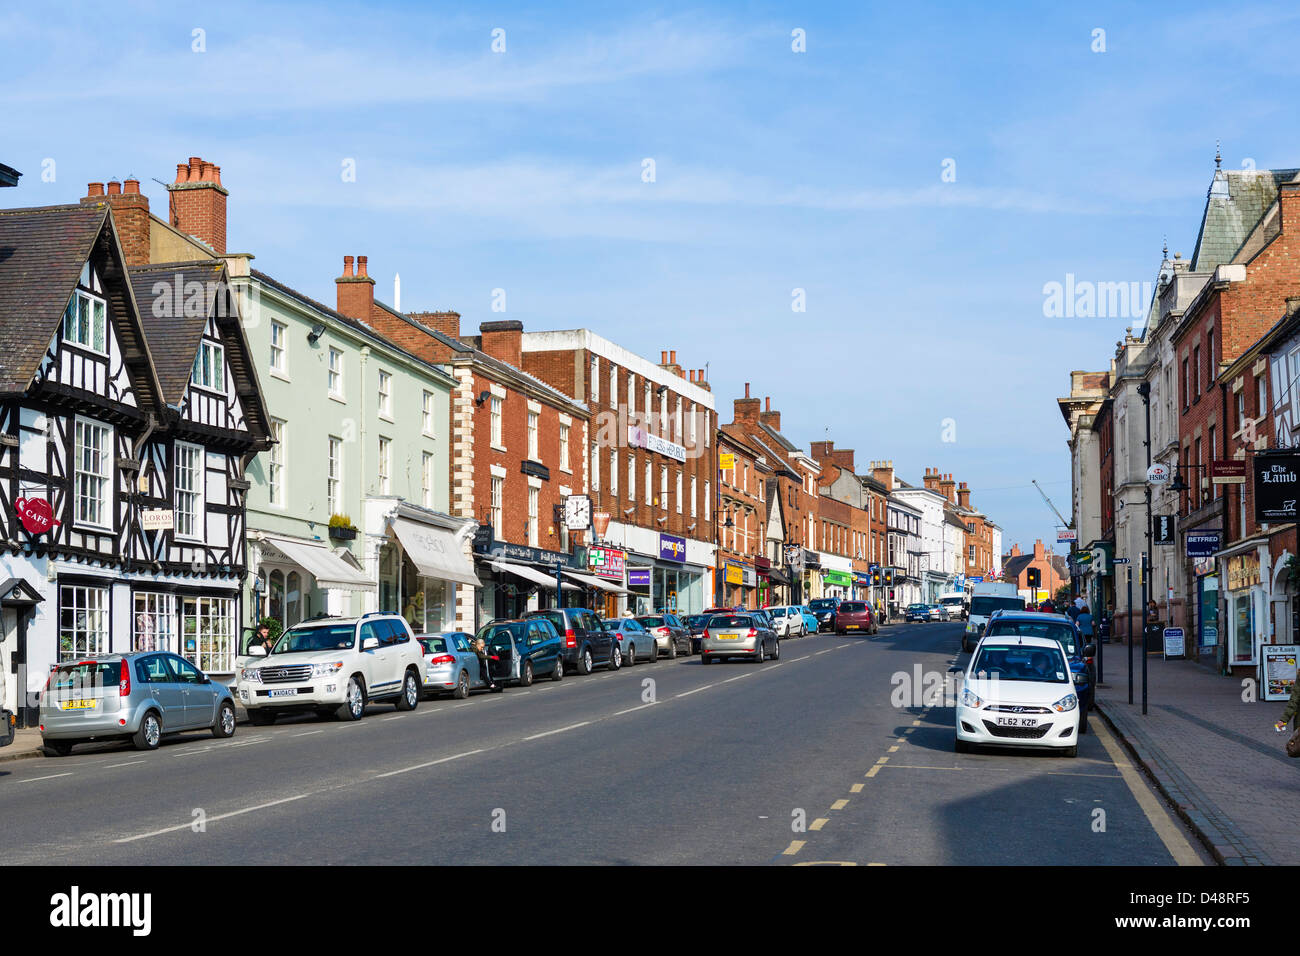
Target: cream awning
(329,569)
(435,552)
(591,581)
(527,573)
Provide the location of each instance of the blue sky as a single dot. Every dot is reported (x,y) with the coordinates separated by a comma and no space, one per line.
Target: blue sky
(774,170)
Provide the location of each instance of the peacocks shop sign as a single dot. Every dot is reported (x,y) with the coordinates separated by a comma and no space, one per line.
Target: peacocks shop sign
(1277,486)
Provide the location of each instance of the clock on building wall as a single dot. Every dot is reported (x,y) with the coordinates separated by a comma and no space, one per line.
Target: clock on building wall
(577,512)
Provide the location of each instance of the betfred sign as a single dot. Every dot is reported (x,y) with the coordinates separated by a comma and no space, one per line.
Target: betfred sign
(36,515)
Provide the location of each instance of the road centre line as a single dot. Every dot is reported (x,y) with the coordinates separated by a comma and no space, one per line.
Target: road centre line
(827,651)
(696,691)
(431,763)
(308,733)
(631,709)
(795,660)
(557,731)
(127,764)
(222,816)
(50,776)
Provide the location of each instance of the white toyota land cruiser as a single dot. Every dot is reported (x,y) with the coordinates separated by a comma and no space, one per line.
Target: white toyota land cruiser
(334,665)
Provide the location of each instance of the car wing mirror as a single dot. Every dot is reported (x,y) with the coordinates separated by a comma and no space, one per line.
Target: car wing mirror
(257,650)
(370,643)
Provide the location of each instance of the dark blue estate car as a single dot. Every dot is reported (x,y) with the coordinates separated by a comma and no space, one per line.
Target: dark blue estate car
(1065,632)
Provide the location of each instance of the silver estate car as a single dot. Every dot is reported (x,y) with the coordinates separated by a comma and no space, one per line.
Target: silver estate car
(739,635)
(137,697)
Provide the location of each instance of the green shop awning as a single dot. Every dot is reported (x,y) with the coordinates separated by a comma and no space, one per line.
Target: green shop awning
(841,578)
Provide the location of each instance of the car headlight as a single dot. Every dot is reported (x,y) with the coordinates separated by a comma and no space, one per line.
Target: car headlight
(326,670)
(973,701)
(251,674)
(1066,704)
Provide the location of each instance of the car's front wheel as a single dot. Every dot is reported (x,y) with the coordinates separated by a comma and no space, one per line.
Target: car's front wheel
(354,700)
(150,733)
(410,696)
(224,725)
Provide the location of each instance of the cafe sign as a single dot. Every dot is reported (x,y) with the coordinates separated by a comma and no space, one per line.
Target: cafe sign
(1277,486)
(36,515)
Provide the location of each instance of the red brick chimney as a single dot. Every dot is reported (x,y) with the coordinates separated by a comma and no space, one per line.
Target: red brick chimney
(883,472)
(198,203)
(448,323)
(1288,199)
(931,480)
(947,487)
(963,495)
(770,418)
(746,409)
(1015,550)
(130,210)
(820,450)
(356,293)
(699,380)
(843,457)
(1039,552)
(504,340)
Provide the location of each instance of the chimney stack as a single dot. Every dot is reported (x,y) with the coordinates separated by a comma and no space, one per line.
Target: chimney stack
(770,418)
(883,472)
(947,488)
(448,323)
(130,210)
(355,293)
(504,341)
(1288,200)
(746,409)
(198,203)
(963,495)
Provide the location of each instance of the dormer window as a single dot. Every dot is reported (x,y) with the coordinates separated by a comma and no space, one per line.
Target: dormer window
(210,367)
(84,321)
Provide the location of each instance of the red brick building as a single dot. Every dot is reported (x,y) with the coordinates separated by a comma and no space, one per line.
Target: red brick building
(518,450)
(652,460)
(1052,570)
(743,564)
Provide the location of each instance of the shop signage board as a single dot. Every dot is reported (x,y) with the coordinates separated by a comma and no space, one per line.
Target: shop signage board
(1158,474)
(1243,571)
(735,573)
(606,562)
(1162,529)
(1230,471)
(158,519)
(1202,544)
(1066,534)
(36,515)
(1279,670)
(726,460)
(1277,486)
(638,577)
(672,548)
(640,438)
(1175,643)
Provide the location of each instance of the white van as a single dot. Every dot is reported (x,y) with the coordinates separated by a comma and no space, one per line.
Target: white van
(987,597)
(956,605)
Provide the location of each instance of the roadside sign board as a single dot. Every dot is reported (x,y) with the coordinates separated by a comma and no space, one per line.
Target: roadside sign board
(1202,544)
(1158,474)
(1175,643)
(1120,561)
(1066,534)
(1162,529)
(1279,670)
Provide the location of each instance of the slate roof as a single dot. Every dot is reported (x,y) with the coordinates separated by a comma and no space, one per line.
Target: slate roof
(1237,200)
(173,339)
(1013,566)
(780,439)
(42,252)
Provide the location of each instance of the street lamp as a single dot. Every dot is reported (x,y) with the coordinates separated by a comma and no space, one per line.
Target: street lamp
(1144,390)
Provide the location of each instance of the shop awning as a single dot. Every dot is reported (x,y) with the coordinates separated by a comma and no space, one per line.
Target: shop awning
(329,569)
(527,573)
(435,552)
(591,581)
(777,576)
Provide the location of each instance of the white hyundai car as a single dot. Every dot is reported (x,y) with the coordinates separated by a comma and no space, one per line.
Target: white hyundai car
(1018,692)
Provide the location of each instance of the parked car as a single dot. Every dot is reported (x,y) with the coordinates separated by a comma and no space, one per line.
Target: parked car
(635,642)
(337,666)
(138,697)
(939,613)
(739,635)
(670,632)
(855,616)
(811,624)
(917,612)
(450,664)
(956,605)
(789,621)
(825,609)
(587,643)
(696,623)
(1007,624)
(520,650)
(1018,692)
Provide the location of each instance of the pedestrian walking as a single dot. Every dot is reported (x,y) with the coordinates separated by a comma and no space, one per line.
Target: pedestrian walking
(1290,715)
(1084,620)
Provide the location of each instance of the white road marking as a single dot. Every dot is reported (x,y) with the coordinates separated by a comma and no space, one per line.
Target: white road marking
(559,731)
(221,816)
(429,710)
(630,709)
(394,717)
(431,763)
(696,691)
(127,764)
(191,753)
(737,677)
(804,658)
(308,733)
(46,777)
(827,651)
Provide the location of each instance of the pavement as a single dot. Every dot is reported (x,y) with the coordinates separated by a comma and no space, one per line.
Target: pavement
(1213,756)
(831,754)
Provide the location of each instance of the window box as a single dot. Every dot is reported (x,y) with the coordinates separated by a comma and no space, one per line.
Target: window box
(343,534)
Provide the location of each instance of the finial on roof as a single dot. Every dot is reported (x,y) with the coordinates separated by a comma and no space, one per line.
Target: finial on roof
(1165,250)
(1218,160)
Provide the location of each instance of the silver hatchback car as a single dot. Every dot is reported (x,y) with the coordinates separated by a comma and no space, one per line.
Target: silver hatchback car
(137,697)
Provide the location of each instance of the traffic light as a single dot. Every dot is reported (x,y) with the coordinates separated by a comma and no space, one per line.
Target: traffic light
(875,578)
(889,577)
(1035,578)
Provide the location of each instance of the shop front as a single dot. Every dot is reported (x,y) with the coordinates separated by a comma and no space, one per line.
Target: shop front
(779,587)
(429,552)
(1246,606)
(733,579)
(516,579)
(679,569)
(606,570)
(299,578)
(837,583)
(861,586)
(763,589)
(810,575)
